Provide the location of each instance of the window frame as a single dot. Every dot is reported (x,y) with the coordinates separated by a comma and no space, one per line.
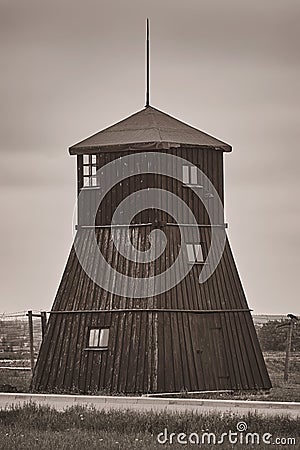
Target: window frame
(190,176)
(89,171)
(195,253)
(100,330)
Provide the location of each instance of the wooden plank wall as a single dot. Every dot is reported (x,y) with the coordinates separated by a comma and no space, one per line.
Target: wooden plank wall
(151,351)
(208,160)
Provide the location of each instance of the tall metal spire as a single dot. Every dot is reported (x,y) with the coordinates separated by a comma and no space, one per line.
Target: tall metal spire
(147,66)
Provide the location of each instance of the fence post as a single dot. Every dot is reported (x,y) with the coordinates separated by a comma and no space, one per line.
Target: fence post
(288,352)
(30,323)
(44,322)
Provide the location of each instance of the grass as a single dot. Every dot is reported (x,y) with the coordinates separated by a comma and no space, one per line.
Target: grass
(275,364)
(33,427)
(285,392)
(14,380)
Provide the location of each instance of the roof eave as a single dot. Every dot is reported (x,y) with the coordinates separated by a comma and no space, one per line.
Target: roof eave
(142,146)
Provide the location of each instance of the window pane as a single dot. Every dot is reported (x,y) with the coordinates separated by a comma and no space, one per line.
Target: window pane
(94,170)
(198,253)
(104,334)
(86,170)
(94,338)
(94,159)
(94,181)
(190,252)
(91,338)
(185,174)
(86,181)
(86,159)
(194,178)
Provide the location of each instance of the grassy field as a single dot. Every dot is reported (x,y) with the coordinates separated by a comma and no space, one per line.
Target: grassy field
(33,427)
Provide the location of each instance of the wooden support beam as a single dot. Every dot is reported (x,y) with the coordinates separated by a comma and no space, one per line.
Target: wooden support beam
(30,324)
(288,352)
(191,225)
(150,310)
(43,322)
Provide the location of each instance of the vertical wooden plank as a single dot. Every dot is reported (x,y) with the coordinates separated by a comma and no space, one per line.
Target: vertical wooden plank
(223,295)
(43,323)
(241,352)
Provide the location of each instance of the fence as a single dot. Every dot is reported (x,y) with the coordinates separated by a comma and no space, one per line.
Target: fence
(21,335)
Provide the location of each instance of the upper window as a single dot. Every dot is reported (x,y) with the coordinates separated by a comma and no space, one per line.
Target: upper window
(89,170)
(98,338)
(194,253)
(190,175)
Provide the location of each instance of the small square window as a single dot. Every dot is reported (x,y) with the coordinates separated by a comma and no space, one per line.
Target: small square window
(98,338)
(190,175)
(194,253)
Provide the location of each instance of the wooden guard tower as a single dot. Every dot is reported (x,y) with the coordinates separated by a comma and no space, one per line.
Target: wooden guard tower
(194,336)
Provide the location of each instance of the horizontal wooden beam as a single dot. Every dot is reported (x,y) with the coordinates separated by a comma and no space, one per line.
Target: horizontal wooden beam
(150,310)
(222,225)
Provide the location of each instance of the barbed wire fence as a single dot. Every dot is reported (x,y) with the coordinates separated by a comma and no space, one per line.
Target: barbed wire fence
(21,335)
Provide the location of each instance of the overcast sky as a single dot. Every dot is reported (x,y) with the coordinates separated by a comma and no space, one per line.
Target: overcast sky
(71,68)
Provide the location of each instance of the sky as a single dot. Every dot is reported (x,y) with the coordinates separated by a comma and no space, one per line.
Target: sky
(71,68)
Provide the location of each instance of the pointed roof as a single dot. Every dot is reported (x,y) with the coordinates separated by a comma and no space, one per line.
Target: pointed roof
(148,126)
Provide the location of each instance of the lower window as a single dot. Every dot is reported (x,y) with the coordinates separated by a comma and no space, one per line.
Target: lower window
(98,338)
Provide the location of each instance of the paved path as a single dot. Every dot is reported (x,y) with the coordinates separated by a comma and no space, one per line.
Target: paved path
(240,407)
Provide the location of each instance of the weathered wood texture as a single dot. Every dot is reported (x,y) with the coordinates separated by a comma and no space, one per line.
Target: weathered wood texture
(209,161)
(161,343)
(151,351)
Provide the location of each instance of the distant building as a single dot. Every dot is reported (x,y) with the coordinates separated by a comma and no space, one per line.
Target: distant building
(261,319)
